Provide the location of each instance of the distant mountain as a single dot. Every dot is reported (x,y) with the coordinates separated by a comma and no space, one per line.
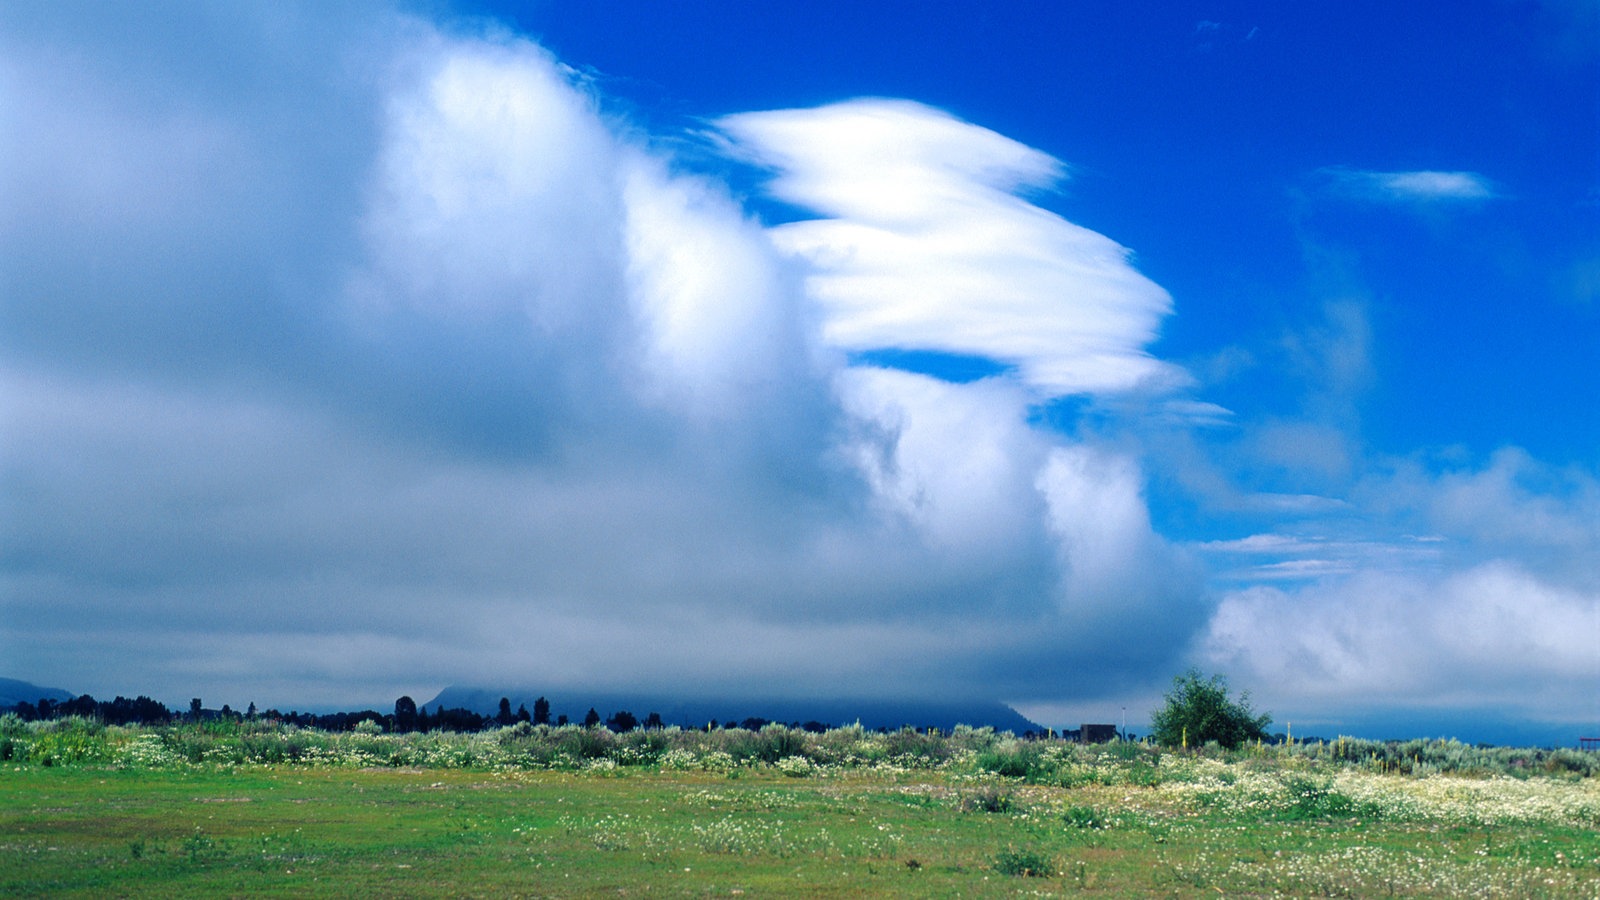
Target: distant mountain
(695,712)
(13,692)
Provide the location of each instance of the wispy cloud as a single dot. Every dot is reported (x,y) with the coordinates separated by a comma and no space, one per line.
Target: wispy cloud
(1424,186)
(1278,557)
(1209,34)
(924,244)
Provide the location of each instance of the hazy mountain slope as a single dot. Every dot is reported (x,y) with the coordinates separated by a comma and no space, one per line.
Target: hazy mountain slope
(13,691)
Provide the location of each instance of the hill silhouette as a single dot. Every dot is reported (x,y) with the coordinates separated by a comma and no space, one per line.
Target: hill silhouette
(14,691)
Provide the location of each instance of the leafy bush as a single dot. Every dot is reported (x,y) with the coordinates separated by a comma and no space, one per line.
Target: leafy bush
(1018,759)
(782,742)
(1085,817)
(1315,799)
(912,747)
(1199,710)
(1000,762)
(989,799)
(585,743)
(1023,863)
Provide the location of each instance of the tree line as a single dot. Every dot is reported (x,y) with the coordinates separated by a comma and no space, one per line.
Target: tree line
(143,710)
(406,717)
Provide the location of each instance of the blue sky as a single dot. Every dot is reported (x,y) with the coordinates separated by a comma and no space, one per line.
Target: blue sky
(1030,351)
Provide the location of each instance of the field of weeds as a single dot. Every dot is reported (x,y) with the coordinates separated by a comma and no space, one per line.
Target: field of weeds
(257,809)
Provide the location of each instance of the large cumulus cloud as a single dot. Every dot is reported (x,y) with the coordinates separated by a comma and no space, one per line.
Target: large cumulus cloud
(396,363)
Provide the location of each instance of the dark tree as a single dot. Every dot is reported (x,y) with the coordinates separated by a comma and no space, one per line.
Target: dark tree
(458,720)
(654,721)
(117,712)
(622,721)
(405,714)
(541,712)
(561,719)
(591,719)
(78,706)
(1199,709)
(505,716)
(250,713)
(194,709)
(522,713)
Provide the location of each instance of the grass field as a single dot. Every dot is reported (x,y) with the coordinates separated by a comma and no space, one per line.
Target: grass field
(1131,823)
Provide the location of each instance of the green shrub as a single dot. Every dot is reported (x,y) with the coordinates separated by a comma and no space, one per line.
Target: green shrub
(990,799)
(643,746)
(11,726)
(1198,710)
(1084,817)
(912,747)
(1010,765)
(580,743)
(1311,798)
(965,737)
(781,742)
(1023,863)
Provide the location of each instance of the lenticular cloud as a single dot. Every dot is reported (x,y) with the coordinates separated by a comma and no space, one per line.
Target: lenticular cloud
(924,244)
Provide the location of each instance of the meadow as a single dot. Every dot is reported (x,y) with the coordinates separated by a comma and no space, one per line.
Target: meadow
(236,808)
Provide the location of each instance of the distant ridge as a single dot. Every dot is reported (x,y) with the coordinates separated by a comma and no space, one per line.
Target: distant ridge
(696,712)
(13,692)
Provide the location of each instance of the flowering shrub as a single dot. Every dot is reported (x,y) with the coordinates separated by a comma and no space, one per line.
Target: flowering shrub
(796,766)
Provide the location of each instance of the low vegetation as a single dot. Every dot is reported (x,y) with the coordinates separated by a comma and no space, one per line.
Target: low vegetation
(793,751)
(233,807)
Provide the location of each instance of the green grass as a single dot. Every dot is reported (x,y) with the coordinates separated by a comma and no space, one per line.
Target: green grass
(259,809)
(326,830)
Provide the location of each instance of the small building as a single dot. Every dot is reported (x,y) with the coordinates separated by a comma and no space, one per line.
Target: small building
(1097,734)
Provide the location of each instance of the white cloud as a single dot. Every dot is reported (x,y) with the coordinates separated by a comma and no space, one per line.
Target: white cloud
(925,245)
(958,460)
(520,402)
(1493,635)
(493,164)
(1097,511)
(1423,186)
(1496,605)
(1289,557)
(1544,517)
(720,316)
